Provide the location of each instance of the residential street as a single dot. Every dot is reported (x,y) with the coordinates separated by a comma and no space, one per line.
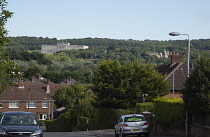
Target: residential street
(96,133)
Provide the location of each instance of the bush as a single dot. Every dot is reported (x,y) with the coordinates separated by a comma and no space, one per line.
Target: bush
(170,112)
(142,107)
(83,123)
(105,117)
(61,124)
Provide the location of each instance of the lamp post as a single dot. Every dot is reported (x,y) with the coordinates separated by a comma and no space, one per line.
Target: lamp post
(188,58)
(188,72)
(144,97)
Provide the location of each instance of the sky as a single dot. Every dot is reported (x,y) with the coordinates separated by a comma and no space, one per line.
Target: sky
(114,19)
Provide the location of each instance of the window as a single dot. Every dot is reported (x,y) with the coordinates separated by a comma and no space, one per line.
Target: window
(134,119)
(0,104)
(31,104)
(44,104)
(13,104)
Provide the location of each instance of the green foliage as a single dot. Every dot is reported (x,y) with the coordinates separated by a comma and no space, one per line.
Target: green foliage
(170,113)
(122,86)
(82,71)
(56,76)
(8,69)
(142,107)
(196,94)
(83,124)
(35,70)
(85,108)
(105,117)
(68,96)
(64,123)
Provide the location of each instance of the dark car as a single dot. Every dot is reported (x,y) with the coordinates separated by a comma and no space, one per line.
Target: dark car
(19,124)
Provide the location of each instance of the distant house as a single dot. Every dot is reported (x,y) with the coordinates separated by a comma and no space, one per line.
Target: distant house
(60,47)
(34,95)
(176,74)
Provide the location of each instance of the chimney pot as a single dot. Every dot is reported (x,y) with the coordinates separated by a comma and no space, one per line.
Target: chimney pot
(21,83)
(176,58)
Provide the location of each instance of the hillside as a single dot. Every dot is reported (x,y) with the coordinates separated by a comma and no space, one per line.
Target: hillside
(26,53)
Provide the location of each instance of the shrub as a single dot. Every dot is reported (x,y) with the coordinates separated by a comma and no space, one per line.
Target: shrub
(105,117)
(61,124)
(142,107)
(170,112)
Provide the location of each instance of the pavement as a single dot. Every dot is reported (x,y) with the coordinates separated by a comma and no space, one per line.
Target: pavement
(110,132)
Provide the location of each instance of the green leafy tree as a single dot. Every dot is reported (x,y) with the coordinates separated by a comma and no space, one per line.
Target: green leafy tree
(122,86)
(196,94)
(56,76)
(35,70)
(69,96)
(8,69)
(85,108)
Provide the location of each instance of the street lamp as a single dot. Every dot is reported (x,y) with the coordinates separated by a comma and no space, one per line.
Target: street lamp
(188,59)
(188,72)
(144,97)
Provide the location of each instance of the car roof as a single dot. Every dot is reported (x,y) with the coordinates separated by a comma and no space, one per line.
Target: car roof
(18,112)
(130,115)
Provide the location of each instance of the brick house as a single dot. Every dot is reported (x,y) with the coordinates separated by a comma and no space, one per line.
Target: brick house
(176,74)
(32,95)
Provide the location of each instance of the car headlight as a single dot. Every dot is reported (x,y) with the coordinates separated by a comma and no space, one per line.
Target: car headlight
(2,132)
(37,132)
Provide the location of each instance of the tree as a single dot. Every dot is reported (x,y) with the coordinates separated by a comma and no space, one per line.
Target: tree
(35,70)
(8,69)
(68,96)
(196,93)
(122,86)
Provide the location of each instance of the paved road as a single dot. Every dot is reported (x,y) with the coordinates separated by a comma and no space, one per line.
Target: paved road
(94,133)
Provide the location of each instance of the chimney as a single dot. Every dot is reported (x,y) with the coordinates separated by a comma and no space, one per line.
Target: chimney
(39,76)
(48,86)
(68,80)
(176,58)
(20,83)
(32,79)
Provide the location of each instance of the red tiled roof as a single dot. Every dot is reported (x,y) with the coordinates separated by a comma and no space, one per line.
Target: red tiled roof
(29,92)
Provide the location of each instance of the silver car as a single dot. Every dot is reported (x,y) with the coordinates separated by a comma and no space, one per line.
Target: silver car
(132,124)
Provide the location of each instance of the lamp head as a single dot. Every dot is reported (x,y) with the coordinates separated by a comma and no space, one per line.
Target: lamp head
(174,34)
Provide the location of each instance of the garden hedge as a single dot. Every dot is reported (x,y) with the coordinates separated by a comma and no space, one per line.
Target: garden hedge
(170,112)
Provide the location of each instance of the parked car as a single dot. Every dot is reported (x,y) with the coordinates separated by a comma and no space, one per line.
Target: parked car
(132,124)
(21,124)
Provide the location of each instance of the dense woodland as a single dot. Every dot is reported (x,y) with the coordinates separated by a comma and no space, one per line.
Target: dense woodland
(25,51)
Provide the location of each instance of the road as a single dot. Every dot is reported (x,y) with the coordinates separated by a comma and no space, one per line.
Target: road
(94,133)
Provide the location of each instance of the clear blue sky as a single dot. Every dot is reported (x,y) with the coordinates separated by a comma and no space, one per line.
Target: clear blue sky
(115,19)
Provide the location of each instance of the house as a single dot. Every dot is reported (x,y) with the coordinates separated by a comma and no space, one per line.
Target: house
(33,95)
(60,47)
(176,74)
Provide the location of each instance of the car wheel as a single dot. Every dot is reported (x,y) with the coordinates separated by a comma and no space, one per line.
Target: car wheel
(121,134)
(116,135)
(147,135)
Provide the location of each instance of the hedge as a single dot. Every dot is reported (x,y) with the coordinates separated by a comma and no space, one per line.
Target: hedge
(170,113)
(105,117)
(142,107)
(61,124)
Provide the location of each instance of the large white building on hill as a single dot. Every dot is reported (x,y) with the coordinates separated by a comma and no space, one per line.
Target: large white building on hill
(60,47)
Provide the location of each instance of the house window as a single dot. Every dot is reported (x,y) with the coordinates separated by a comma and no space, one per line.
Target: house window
(31,104)
(44,104)
(0,104)
(13,104)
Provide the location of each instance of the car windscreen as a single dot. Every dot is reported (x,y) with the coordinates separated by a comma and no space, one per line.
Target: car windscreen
(18,119)
(134,119)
